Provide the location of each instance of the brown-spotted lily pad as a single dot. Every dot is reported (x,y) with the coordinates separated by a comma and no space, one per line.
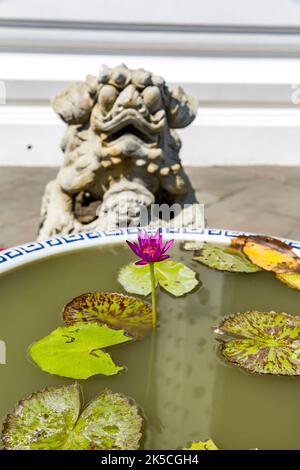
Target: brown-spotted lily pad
(262,342)
(51,420)
(292,280)
(202,445)
(271,254)
(118,311)
(224,259)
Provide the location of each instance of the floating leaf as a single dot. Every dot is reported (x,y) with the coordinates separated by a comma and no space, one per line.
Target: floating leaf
(225,259)
(48,420)
(175,278)
(238,242)
(110,422)
(76,351)
(202,445)
(136,279)
(118,311)
(271,254)
(292,280)
(191,245)
(262,342)
(41,420)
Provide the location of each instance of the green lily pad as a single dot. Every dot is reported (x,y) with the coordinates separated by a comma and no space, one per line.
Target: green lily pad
(292,280)
(225,259)
(175,278)
(262,342)
(136,279)
(202,445)
(113,419)
(50,420)
(118,311)
(76,351)
(41,420)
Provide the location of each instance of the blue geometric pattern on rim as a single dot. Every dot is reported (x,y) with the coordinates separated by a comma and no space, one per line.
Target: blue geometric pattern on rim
(198,231)
(29,248)
(214,231)
(54,242)
(132,230)
(14,253)
(73,238)
(111,233)
(293,244)
(35,246)
(172,230)
(232,233)
(92,235)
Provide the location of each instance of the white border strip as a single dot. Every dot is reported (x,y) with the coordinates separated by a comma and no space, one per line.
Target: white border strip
(218,136)
(21,255)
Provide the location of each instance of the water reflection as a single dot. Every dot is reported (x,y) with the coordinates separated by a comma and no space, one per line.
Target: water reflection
(183,368)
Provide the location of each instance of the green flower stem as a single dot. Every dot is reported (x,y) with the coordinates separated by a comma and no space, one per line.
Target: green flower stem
(153,288)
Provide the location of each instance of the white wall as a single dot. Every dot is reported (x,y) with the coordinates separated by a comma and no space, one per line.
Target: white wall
(205,12)
(240,58)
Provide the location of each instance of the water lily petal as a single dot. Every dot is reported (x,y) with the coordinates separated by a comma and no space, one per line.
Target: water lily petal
(167,245)
(134,247)
(150,247)
(142,237)
(157,236)
(161,258)
(141,262)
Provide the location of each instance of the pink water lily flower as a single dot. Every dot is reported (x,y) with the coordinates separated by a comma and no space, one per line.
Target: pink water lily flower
(150,248)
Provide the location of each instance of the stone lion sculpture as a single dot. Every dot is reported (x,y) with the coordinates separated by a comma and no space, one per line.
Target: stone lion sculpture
(121,153)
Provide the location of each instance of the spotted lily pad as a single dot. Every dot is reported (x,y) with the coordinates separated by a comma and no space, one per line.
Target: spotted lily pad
(271,254)
(76,351)
(224,259)
(175,278)
(50,420)
(118,311)
(202,445)
(292,280)
(262,342)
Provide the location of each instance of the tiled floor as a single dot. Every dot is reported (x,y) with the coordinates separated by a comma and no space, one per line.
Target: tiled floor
(259,199)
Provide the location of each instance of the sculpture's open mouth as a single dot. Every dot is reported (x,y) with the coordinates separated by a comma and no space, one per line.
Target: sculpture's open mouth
(130,130)
(130,117)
